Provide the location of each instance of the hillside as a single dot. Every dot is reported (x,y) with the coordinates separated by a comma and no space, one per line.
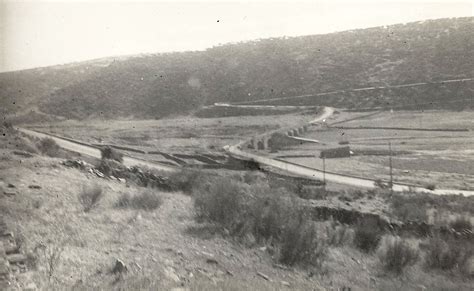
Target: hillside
(153,86)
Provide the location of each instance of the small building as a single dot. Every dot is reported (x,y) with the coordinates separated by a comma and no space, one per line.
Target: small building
(341,152)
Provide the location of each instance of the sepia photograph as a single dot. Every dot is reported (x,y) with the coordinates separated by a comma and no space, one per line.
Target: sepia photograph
(197,145)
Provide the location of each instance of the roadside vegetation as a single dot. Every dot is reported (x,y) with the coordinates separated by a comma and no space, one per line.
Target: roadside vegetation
(108,153)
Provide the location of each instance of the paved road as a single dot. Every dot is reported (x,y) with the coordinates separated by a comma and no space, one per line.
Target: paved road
(236,152)
(94,152)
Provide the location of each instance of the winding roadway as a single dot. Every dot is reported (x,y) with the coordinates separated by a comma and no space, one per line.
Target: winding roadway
(236,152)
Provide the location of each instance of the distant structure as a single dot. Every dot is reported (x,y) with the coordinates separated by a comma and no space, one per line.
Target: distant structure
(341,152)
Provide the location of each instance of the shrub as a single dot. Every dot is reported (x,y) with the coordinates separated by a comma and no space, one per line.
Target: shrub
(396,254)
(186,180)
(337,234)
(430,186)
(253,177)
(448,254)
(220,202)
(25,144)
(259,213)
(410,207)
(367,235)
(49,147)
(108,153)
(90,197)
(112,168)
(301,244)
(379,183)
(270,212)
(461,224)
(313,193)
(410,212)
(147,200)
(7,125)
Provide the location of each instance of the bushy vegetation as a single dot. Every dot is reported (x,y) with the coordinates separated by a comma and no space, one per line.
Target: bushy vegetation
(314,193)
(257,213)
(271,210)
(338,234)
(90,196)
(408,207)
(414,206)
(448,254)
(430,186)
(302,243)
(409,212)
(111,168)
(24,144)
(396,254)
(367,235)
(108,153)
(221,202)
(146,200)
(49,147)
(186,180)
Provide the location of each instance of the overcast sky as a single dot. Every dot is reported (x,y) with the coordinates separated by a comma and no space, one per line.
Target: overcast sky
(43,33)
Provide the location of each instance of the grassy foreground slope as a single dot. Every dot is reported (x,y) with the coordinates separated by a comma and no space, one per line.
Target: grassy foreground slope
(157,85)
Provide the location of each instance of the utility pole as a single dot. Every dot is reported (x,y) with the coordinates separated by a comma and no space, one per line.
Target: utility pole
(390,164)
(324,172)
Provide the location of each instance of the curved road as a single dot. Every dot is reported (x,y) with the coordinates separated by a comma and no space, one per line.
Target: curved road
(236,152)
(95,152)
